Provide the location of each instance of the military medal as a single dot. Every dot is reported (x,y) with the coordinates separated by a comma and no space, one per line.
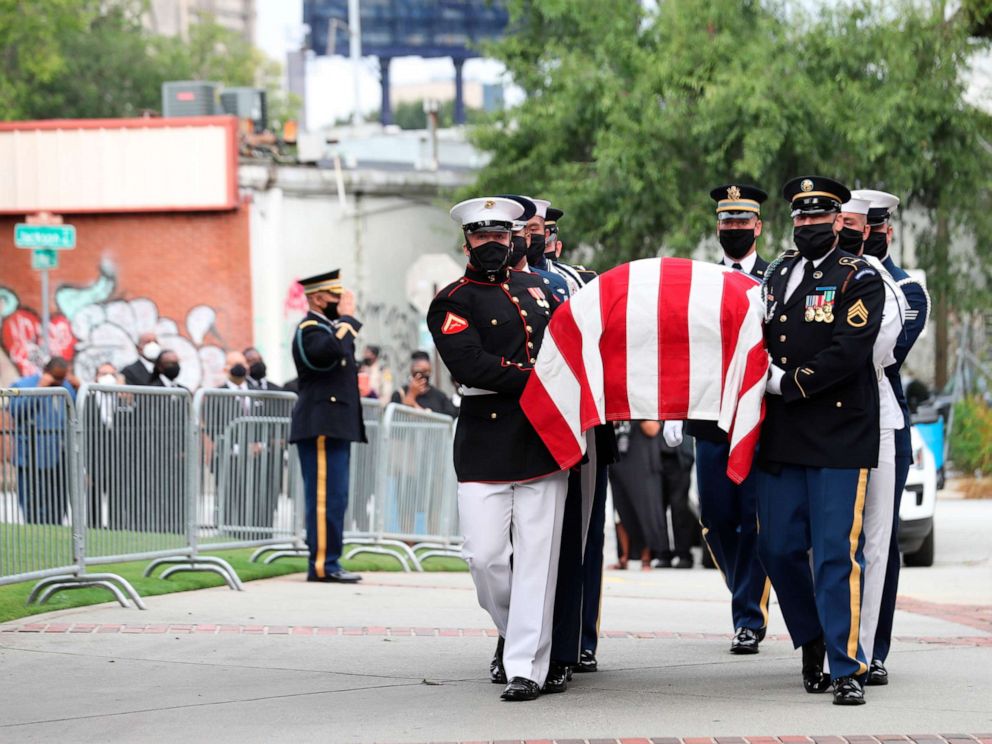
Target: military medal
(809,314)
(820,307)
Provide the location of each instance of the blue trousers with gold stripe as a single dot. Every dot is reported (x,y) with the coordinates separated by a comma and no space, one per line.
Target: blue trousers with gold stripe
(324,462)
(728,513)
(820,509)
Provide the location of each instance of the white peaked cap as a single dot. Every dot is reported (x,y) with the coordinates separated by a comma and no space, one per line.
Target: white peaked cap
(855,206)
(878,199)
(542,206)
(486,209)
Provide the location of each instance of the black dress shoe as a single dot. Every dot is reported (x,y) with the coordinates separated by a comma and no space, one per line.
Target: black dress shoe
(761,634)
(878,675)
(848,691)
(662,563)
(745,642)
(497,674)
(587,663)
(814,680)
(557,680)
(338,577)
(521,688)
(680,562)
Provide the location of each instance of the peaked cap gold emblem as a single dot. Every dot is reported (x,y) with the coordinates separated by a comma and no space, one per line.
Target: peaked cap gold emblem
(733,193)
(806,185)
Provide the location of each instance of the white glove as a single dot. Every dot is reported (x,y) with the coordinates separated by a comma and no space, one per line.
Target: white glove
(672,432)
(774,385)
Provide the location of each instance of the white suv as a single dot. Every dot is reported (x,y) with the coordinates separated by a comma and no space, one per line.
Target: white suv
(919,501)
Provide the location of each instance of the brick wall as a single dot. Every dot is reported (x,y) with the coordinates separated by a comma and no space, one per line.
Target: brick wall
(127,274)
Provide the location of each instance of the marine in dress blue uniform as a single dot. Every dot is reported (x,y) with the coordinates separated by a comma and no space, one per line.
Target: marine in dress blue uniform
(488,328)
(878,244)
(820,436)
(327,418)
(728,511)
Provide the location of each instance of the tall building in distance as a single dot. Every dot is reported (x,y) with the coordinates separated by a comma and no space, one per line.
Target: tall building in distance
(174,17)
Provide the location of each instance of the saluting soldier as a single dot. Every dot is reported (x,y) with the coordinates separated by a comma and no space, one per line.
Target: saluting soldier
(488,327)
(728,511)
(877,244)
(820,436)
(327,418)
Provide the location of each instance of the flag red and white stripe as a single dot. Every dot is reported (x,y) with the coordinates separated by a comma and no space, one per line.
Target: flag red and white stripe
(660,339)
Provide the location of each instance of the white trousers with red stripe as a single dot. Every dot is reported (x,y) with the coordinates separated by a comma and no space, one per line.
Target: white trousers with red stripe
(522,520)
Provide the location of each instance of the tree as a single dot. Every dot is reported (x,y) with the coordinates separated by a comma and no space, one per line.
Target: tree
(95,59)
(633,115)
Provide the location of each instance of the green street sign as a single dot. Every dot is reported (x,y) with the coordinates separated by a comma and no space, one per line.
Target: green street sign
(60,237)
(44,258)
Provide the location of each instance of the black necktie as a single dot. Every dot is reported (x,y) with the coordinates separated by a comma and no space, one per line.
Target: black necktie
(737,266)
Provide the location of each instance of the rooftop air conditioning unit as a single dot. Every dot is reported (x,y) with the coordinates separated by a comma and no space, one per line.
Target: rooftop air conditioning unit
(189,98)
(246,103)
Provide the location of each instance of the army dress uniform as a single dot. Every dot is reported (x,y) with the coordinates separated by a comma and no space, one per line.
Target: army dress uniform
(488,327)
(728,511)
(818,442)
(918,302)
(327,418)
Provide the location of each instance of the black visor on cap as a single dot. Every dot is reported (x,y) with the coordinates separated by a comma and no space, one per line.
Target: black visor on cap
(814,205)
(488,226)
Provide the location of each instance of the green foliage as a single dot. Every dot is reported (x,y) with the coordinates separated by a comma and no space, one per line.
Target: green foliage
(95,59)
(971,436)
(633,115)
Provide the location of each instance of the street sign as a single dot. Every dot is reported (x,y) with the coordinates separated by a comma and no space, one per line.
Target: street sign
(56,237)
(44,258)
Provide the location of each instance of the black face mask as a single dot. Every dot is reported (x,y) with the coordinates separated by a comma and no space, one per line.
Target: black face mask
(877,245)
(814,241)
(257,371)
(330,310)
(535,254)
(518,249)
(850,240)
(238,371)
(490,256)
(171,371)
(736,243)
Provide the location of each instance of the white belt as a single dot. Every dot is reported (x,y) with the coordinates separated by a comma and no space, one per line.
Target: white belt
(470,391)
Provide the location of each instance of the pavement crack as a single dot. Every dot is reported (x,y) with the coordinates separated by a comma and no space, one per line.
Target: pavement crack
(416,678)
(204,705)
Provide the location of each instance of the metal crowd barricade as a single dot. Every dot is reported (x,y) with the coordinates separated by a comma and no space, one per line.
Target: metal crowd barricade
(42,514)
(415,499)
(139,456)
(248,475)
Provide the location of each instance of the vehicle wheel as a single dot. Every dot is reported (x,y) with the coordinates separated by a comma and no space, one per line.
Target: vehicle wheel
(923,557)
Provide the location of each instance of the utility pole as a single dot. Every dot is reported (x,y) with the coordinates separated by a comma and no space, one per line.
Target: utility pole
(355,53)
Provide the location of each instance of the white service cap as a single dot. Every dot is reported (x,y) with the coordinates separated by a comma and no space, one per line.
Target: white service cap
(541,205)
(486,211)
(855,206)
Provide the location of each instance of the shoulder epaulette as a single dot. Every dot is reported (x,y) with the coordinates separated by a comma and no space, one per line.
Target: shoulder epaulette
(308,323)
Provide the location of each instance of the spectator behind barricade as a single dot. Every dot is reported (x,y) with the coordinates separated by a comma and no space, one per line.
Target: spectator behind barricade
(166,370)
(257,372)
(236,372)
(419,393)
(109,430)
(141,371)
(380,379)
(40,456)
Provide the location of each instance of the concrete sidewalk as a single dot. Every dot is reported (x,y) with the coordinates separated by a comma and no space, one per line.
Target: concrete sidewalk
(404,658)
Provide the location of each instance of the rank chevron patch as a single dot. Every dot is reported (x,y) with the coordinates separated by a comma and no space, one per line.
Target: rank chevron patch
(453,324)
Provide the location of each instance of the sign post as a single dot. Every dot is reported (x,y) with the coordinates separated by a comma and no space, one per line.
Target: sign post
(45,234)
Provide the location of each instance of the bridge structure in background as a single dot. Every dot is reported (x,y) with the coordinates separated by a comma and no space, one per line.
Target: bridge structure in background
(402,28)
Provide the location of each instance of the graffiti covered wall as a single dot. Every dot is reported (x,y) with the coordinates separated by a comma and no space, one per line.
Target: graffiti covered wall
(184,276)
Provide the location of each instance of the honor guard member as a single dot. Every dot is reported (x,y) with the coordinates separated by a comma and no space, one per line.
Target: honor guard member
(877,244)
(577,599)
(536,247)
(520,249)
(567,603)
(488,327)
(327,418)
(820,436)
(728,511)
(879,501)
